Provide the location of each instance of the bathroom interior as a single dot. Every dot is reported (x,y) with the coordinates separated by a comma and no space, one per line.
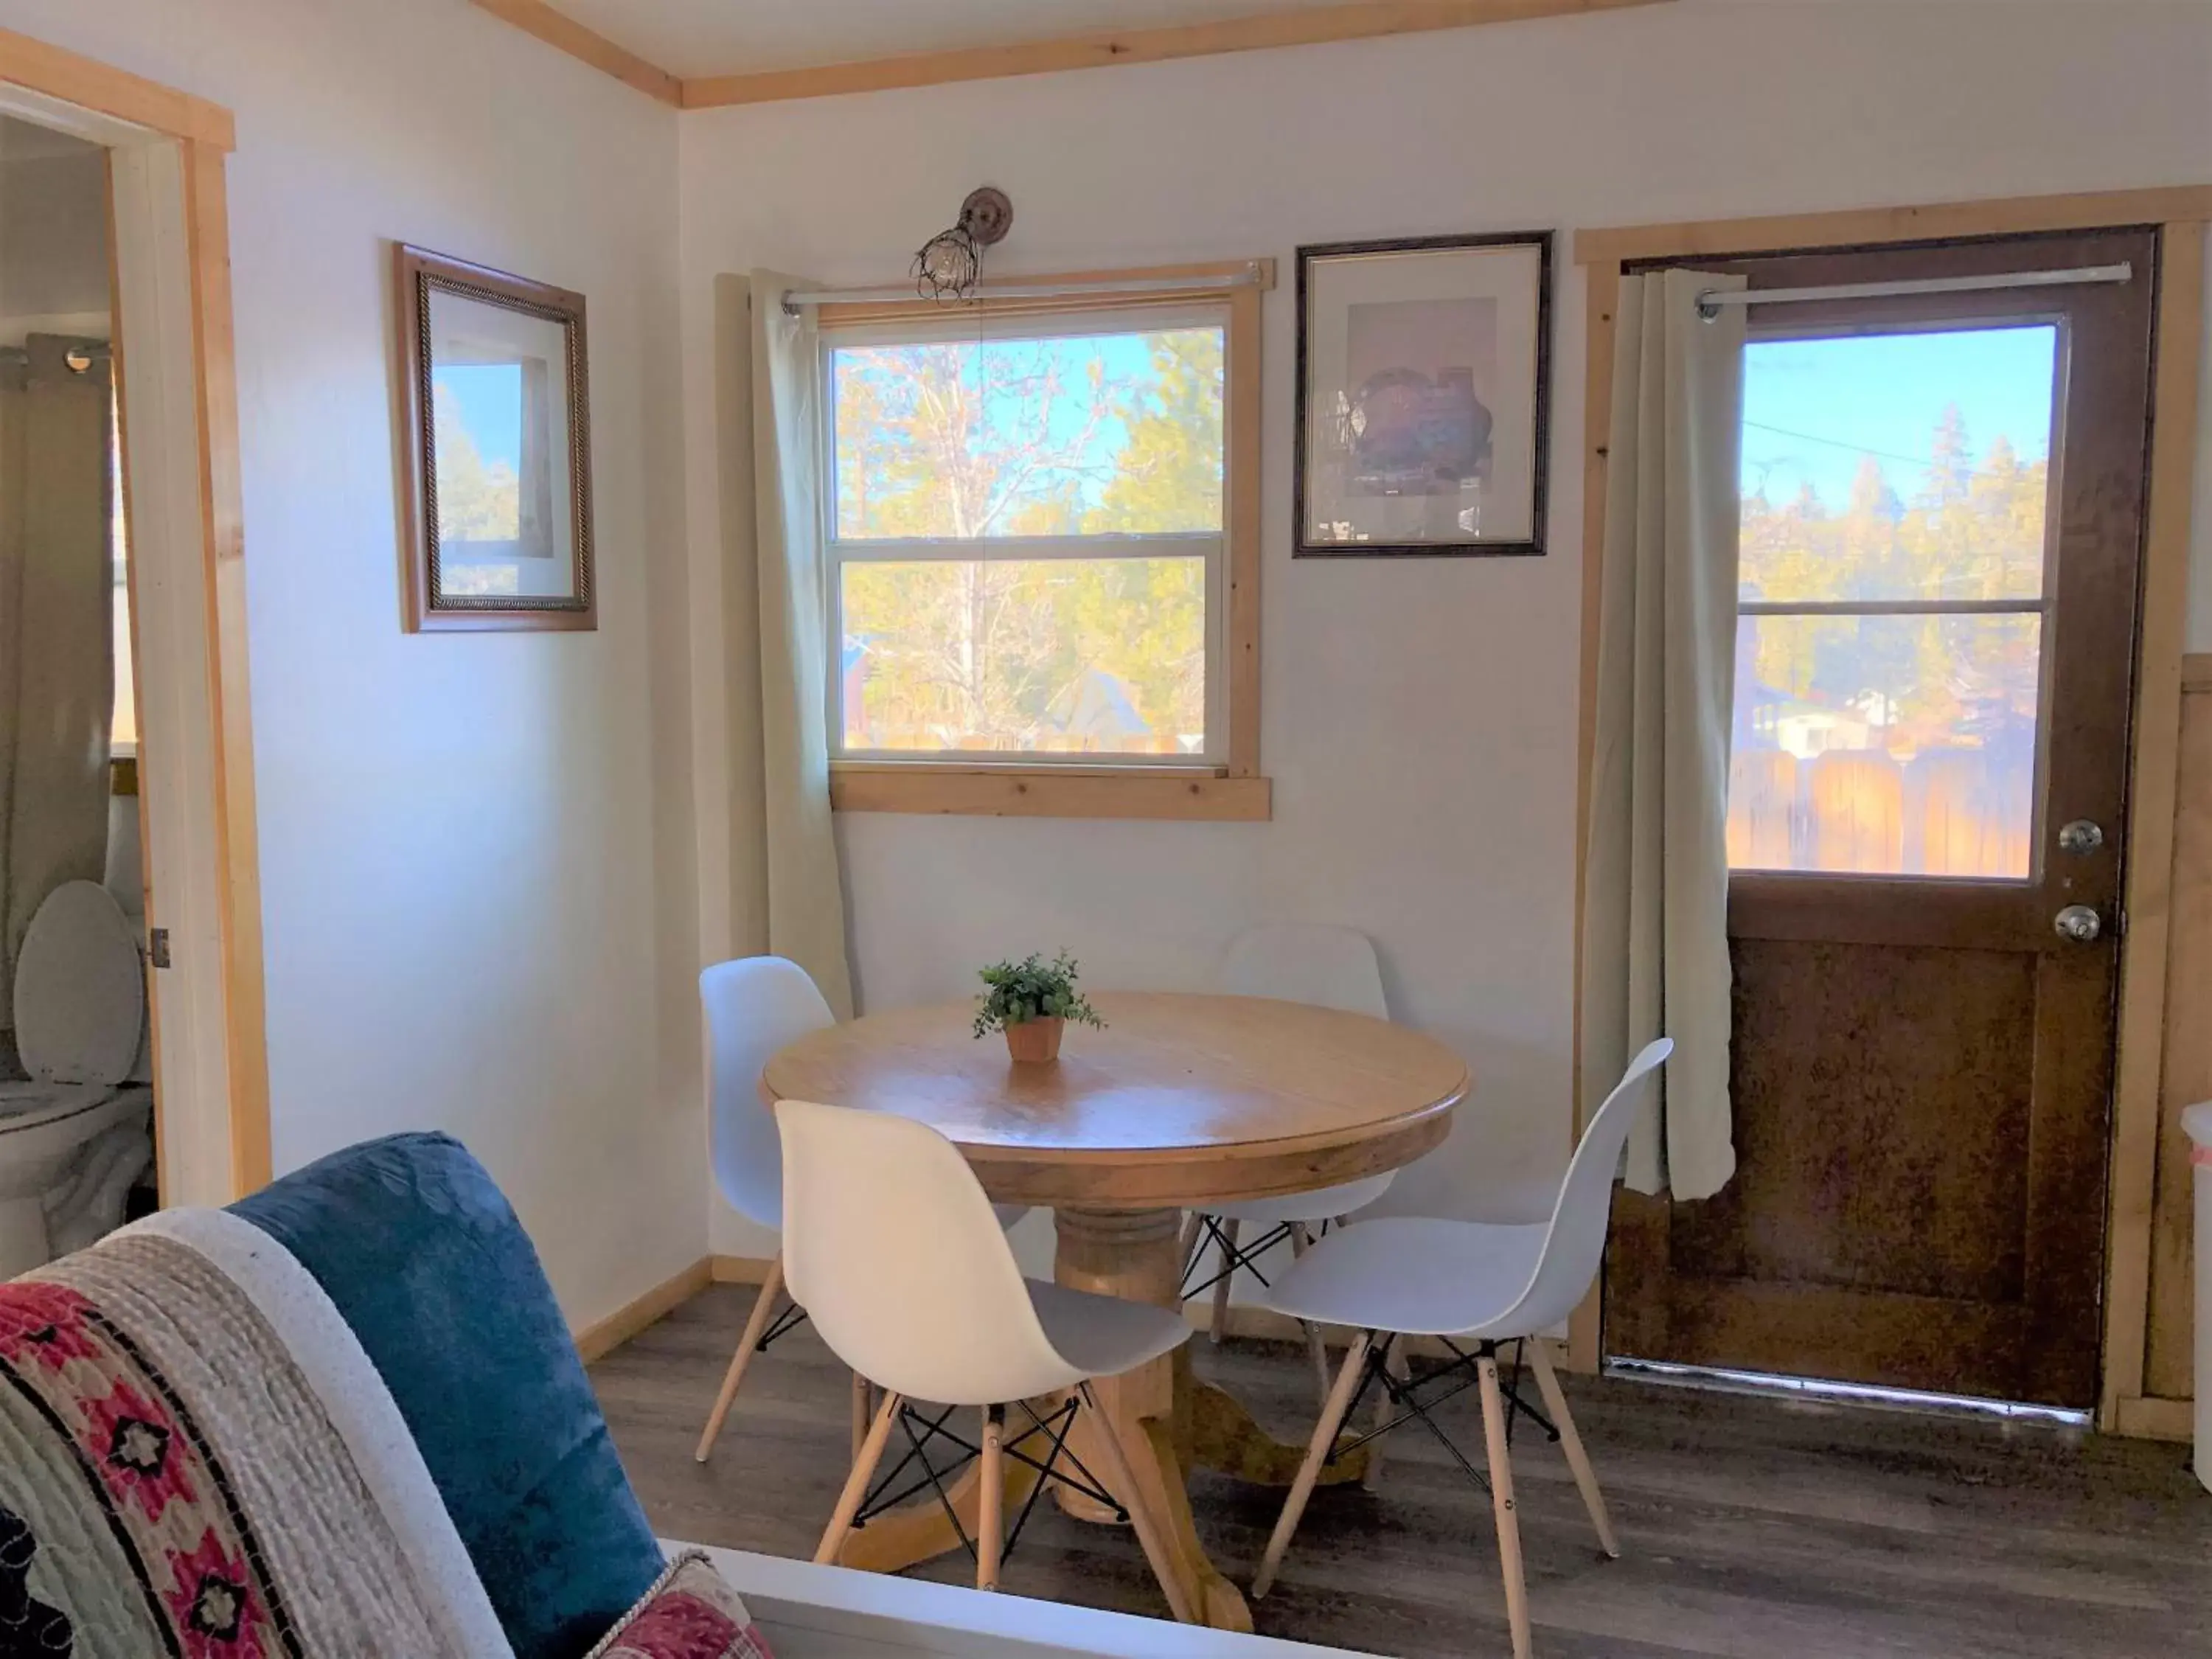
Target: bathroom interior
(77,1098)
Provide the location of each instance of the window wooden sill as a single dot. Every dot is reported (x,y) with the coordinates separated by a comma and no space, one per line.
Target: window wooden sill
(1204,795)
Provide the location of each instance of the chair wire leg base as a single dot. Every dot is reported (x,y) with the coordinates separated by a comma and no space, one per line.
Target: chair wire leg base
(1403,1394)
(784,1323)
(922,1429)
(1234,1255)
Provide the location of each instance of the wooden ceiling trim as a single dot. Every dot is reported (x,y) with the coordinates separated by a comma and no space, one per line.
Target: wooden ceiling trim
(1355,20)
(1350,20)
(559,30)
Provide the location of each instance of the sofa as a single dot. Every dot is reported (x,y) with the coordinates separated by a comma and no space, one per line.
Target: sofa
(345,1418)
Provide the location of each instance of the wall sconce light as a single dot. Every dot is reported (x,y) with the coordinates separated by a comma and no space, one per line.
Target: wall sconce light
(951,263)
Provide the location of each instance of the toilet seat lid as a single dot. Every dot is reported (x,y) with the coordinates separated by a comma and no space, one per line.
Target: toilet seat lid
(79,990)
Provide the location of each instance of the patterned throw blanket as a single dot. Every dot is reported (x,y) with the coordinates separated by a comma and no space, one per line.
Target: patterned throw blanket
(197,1460)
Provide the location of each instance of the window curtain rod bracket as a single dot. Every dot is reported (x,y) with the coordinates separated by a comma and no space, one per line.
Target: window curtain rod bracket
(1710,300)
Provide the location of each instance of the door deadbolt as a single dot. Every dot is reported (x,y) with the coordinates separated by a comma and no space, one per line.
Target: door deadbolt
(2080,837)
(2079,923)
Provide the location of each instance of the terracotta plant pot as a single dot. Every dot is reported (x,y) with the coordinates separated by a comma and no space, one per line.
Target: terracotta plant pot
(1035,1041)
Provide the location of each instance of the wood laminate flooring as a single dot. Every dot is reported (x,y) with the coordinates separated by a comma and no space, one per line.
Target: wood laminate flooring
(1751,1528)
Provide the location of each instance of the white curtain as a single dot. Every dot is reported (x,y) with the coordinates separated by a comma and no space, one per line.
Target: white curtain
(56,633)
(802,888)
(1655,934)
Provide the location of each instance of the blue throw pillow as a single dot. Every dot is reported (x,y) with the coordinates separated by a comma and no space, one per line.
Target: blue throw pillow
(423,1256)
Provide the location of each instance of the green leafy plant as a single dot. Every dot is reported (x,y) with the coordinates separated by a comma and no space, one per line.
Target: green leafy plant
(1032,988)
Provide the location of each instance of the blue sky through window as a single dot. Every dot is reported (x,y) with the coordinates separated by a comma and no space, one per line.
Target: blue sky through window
(1814,408)
(489,398)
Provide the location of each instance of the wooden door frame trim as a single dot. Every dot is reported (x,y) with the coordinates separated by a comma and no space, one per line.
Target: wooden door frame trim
(207,198)
(2153,800)
(105,90)
(203,134)
(2181,215)
(1349,20)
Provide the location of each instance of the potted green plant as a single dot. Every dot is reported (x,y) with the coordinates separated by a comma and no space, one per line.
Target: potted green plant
(1032,1001)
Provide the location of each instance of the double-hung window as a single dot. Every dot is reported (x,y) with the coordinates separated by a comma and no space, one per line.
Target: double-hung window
(1038,571)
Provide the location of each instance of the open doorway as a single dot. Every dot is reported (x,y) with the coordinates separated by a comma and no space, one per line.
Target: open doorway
(76,1096)
(113,213)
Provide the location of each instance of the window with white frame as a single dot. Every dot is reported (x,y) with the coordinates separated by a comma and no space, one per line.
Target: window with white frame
(1027,537)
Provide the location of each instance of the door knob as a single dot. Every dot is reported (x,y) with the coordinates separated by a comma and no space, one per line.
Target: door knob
(2080,837)
(2079,923)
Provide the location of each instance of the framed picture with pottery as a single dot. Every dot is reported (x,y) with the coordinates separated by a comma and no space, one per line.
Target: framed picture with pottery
(496,464)
(1423,396)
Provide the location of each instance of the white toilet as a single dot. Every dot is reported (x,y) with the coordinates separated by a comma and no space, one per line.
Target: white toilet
(75,1138)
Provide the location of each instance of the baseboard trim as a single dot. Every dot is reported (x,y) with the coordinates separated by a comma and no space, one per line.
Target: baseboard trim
(601,1338)
(2155,1419)
(739,1269)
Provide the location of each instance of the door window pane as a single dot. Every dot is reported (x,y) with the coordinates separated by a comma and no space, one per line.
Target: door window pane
(1889,666)
(1897,466)
(1056,656)
(1891,745)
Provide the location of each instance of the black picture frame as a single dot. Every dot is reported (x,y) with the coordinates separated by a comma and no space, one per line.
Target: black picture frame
(1540,417)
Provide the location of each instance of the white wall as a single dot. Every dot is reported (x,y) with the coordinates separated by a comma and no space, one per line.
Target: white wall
(475,848)
(54,229)
(1419,717)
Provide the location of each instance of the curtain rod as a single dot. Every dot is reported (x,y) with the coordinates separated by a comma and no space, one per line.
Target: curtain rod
(1712,299)
(1016,289)
(94,351)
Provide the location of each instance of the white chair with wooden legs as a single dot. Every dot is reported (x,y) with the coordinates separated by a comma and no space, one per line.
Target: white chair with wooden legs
(892,1248)
(1467,1282)
(1329,966)
(754,1006)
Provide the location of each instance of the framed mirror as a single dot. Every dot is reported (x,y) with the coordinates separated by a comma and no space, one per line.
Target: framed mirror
(497,445)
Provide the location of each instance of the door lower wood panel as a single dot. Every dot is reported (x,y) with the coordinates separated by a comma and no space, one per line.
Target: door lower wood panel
(1891,1187)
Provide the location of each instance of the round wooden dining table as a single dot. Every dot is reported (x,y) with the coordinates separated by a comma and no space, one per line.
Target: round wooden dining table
(1181,1099)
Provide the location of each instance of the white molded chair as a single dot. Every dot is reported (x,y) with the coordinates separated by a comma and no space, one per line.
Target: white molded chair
(1480,1284)
(896,1254)
(1296,961)
(754,1006)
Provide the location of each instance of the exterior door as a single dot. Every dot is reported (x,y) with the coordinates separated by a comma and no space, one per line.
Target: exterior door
(1943,510)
